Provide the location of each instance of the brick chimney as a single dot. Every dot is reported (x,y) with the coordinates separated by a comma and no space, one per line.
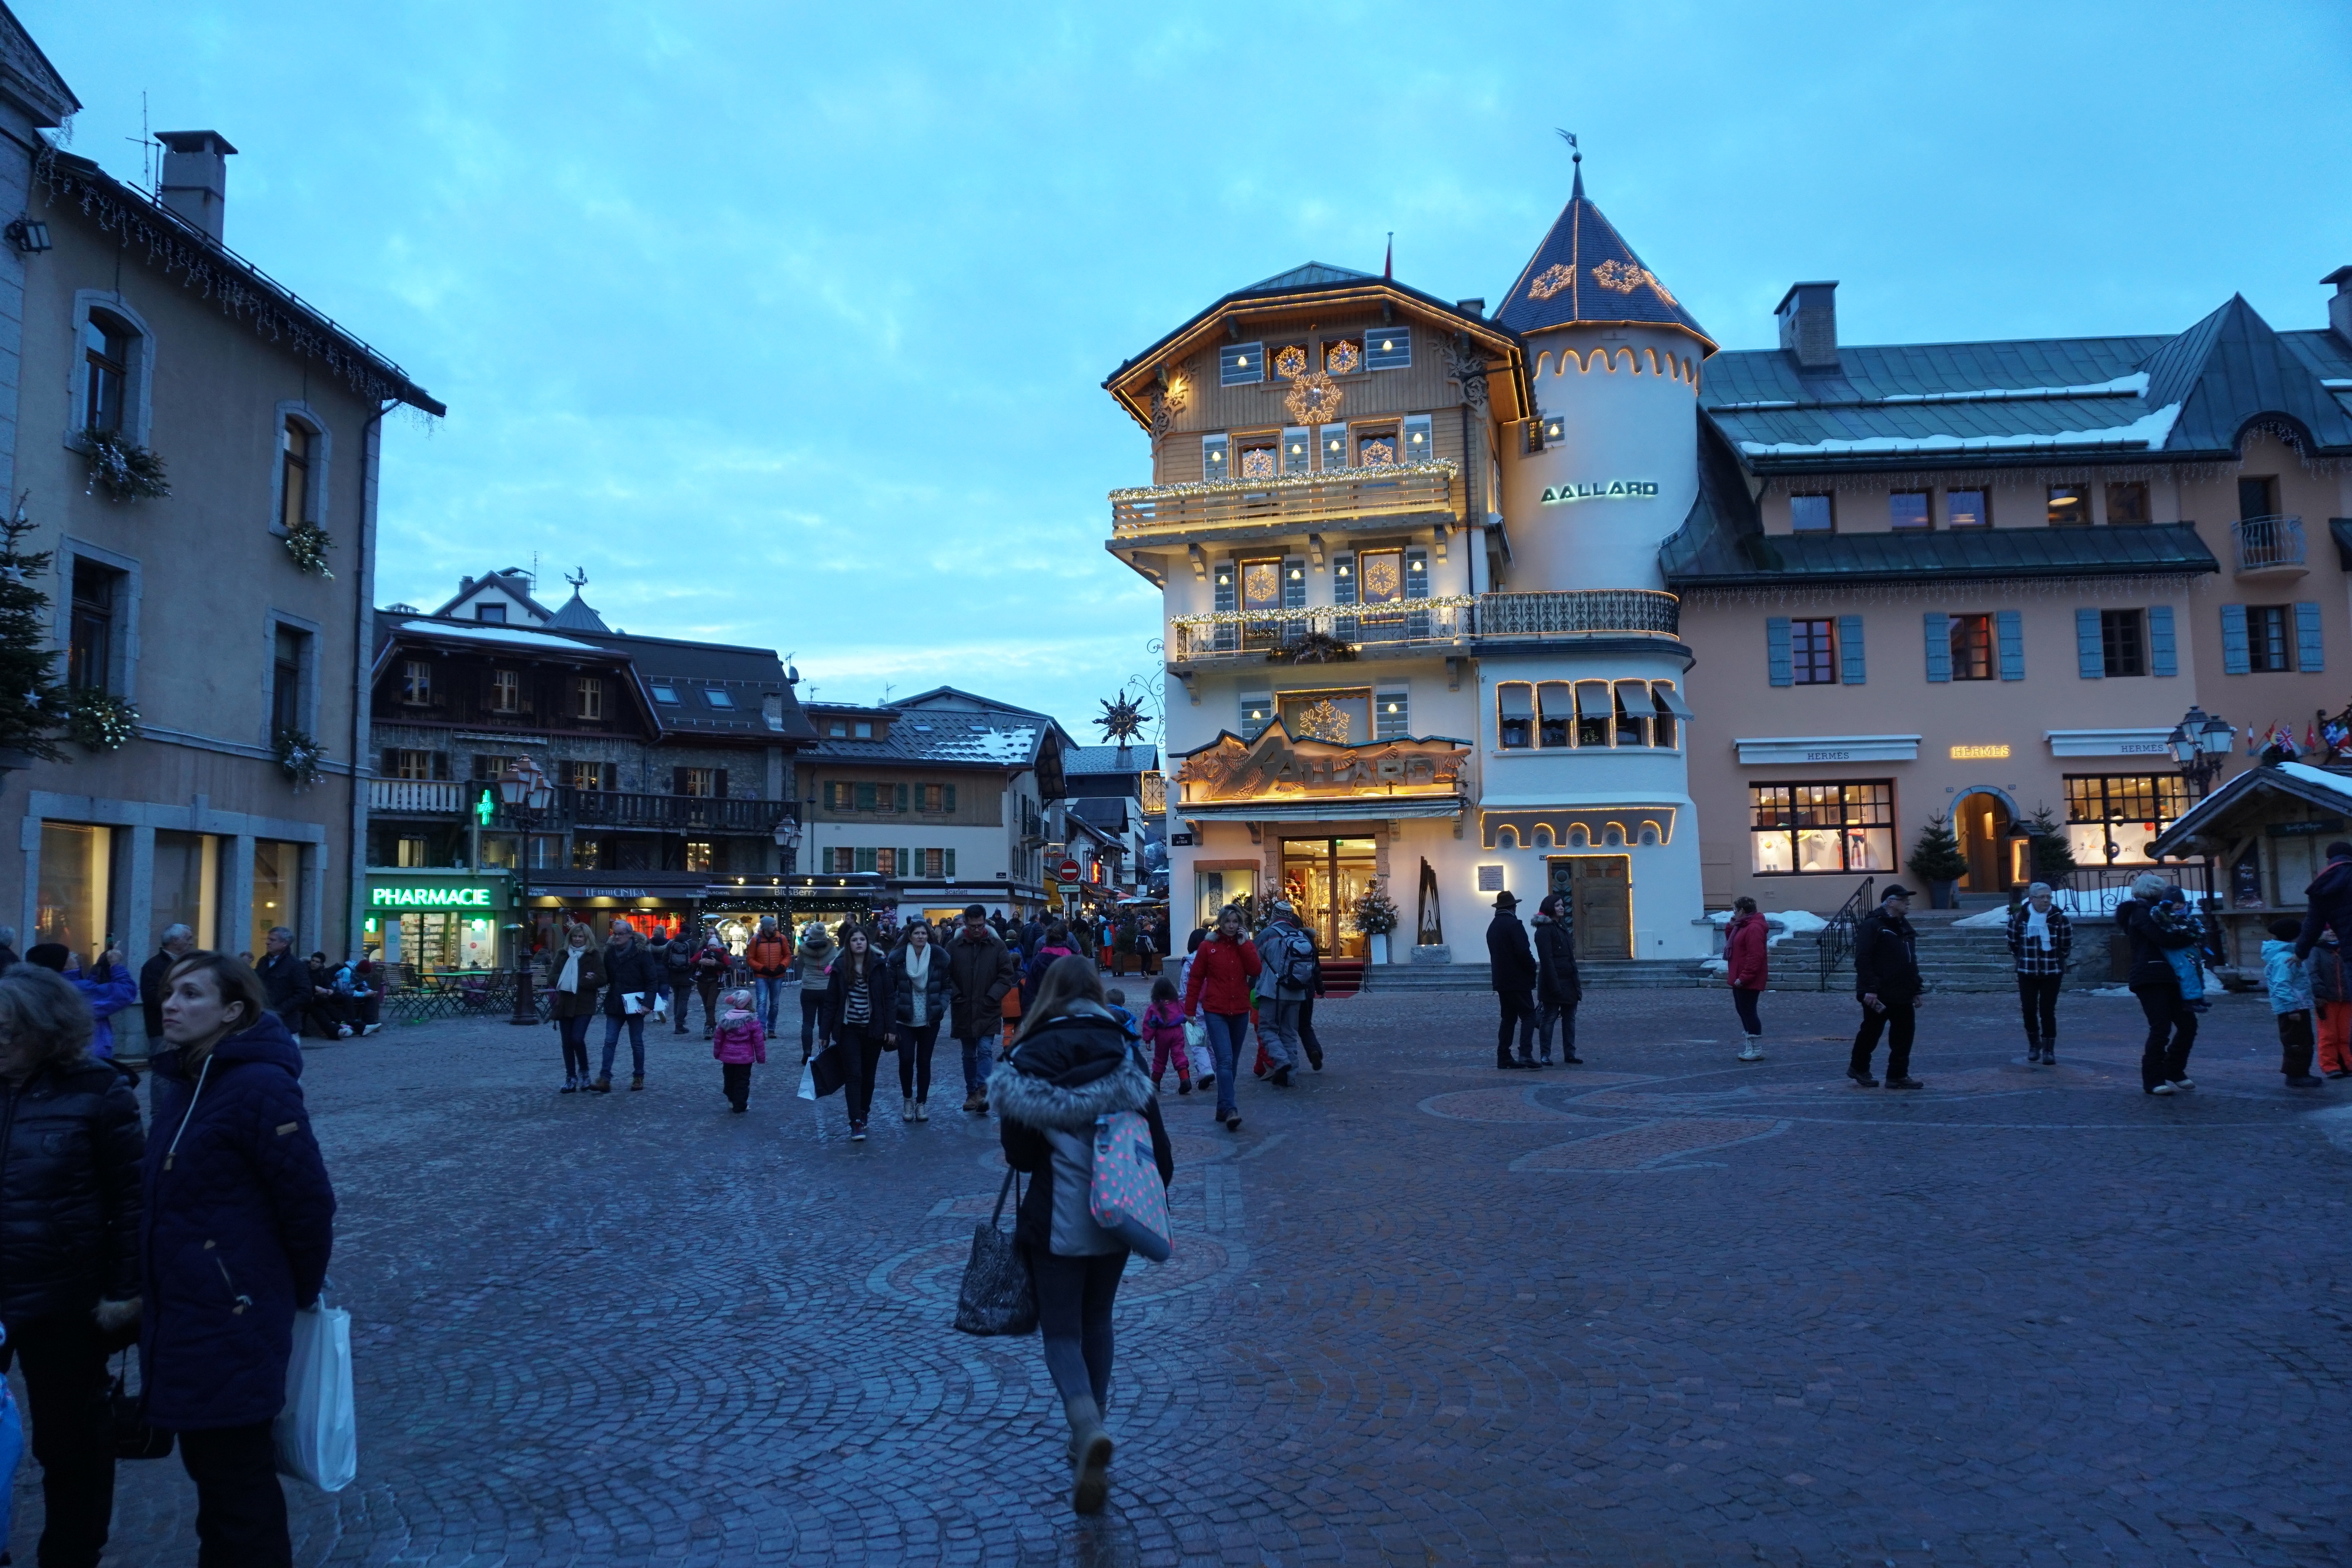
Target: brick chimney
(1808,314)
(195,177)
(2339,305)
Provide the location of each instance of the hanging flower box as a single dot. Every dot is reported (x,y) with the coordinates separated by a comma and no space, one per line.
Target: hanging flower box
(301,756)
(100,720)
(124,471)
(308,543)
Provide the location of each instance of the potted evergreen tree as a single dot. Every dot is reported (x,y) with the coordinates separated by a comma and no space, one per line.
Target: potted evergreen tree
(1936,860)
(31,704)
(2054,857)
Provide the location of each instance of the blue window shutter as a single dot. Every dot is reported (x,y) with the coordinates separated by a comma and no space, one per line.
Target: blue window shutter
(2162,656)
(2234,658)
(2090,654)
(1850,664)
(1775,651)
(949,858)
(1939,646)
(1343,580)
(950,794)
(2308,654)
(2011,629)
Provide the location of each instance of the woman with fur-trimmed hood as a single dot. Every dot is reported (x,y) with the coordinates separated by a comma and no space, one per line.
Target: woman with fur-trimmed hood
(1072,1064)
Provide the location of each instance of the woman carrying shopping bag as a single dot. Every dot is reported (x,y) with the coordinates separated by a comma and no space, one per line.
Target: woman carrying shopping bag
(1071,1065)
(240,1219)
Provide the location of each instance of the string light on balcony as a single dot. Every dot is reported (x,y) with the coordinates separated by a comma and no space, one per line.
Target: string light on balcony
(1388,474)
(1377,612)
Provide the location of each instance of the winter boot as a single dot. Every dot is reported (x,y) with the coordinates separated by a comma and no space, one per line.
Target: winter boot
(922,1110)
(1753,1050)
(906,1107)
(1090,1451)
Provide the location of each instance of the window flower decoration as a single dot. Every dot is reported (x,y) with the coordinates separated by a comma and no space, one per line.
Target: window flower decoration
(1291,363)
(101,721)
(307,543)
(1552,280)
(1342,358)
(1313,400)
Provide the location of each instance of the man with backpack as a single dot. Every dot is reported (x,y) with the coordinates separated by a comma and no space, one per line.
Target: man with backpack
(1287,974)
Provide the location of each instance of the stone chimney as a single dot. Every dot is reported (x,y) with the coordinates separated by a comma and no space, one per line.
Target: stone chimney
(2340,307)
(195,177)
(1808,314)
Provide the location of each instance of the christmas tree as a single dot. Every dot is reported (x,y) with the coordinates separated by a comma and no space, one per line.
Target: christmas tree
(1936,856)
(2054,857)
(30,699)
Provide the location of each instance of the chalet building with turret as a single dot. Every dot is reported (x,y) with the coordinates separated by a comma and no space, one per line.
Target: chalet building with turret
(1564,596)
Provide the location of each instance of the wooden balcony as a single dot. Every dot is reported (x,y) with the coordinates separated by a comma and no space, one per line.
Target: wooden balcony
(1243,509)
(416,797)
(1416,625)
(671,813)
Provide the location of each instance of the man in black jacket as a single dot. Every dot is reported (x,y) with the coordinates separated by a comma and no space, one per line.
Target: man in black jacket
(1558,985)
(178,943)
(285,978)
(2329,901)
(631,979)
(1513,970)
(1886,980)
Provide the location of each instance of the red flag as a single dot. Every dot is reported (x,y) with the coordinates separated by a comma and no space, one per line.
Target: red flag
(2310,741)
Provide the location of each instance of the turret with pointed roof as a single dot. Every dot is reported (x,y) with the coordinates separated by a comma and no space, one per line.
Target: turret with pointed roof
(1584,274)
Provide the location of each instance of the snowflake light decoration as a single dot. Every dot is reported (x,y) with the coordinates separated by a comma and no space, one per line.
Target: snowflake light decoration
(1325,720)
(1550,281)
(1342,358)
(1313,400)
(1291,363)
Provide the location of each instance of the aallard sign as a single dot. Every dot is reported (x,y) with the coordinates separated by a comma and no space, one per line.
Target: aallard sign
(1601,490)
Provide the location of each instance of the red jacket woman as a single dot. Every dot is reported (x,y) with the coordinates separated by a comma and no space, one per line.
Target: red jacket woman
(1743,950)
(1222,972)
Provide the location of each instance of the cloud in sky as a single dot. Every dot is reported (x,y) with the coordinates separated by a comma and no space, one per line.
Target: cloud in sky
(787,324)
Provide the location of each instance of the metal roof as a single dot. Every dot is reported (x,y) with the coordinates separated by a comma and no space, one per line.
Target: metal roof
(1109,759)
(1585,274)
(1005,739)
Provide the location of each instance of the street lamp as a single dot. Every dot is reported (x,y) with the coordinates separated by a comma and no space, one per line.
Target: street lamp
(524,791)
(2199,743)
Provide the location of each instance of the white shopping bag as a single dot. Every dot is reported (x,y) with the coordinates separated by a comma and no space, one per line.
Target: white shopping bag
(1196,1047)
(317,1433)
(808,1080)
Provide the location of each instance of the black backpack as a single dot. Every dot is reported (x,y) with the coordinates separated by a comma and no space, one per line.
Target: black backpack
(1297,972)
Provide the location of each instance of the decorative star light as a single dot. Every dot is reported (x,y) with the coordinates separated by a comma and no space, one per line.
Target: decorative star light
(1313,400)
(1550,281)
(1122,720)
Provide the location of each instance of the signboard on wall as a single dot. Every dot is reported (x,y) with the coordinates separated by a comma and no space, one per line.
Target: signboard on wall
(430,896)
(1601,490)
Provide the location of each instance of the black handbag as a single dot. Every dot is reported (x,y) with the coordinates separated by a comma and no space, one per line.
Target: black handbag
(126,1412)
(998,1296)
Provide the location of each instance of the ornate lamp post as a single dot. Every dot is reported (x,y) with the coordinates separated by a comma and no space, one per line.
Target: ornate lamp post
(524,791)
(2199,743)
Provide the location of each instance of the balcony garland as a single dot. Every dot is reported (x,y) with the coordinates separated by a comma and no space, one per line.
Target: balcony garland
(308,543)
(1377,471)
(126,472)
(1394,607)
(301,756)
(101,721)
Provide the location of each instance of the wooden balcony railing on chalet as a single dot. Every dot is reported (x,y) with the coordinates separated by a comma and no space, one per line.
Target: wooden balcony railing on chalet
(1292,499)
(1401,626)
(416,796)
(671,813)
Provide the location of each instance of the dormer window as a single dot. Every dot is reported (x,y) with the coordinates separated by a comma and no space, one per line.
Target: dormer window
(665,696)
(723,701)
(415,681)
(496,614)
(1389,349)
(1239,364)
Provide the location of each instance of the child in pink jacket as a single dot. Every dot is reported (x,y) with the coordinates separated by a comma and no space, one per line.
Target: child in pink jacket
(739,1043)
(1163,1027)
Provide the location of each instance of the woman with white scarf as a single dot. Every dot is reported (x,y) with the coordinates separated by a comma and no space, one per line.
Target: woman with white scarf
(575,974)
(926,993)
(2040,939)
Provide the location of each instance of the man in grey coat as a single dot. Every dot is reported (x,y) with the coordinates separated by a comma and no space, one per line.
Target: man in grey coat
(1287,974)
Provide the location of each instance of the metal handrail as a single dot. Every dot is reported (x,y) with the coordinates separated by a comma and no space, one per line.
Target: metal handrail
(1573,613)
(1837,937)
(1378,491)
(2265,542)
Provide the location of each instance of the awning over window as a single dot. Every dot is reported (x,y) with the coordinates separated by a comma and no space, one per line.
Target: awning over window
(1516,699)
(1668,700)
(1592,700)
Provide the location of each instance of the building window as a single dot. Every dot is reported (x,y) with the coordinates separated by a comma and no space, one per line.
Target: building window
(937,862)
(698,854)
(887,862)
(1515,716)
(1907,509)
(1376,447)
(2128,504)
(1240,365)
(587,854)
(2270,638)
(1812,652)
(506,689)
(1259,457)
(409,852)
(1289,361)
(1343,356)
(1262,584)
(1388,348)
(1967,510)
(407,763)
(2112,819)
(2257,498)
(1392,715)
(700,782)
(2122,641)
(2070,505)
(89,645)
(1592,706)
(667,696)
(1799,828)
(1666,726)
(415,681)
(108,345)
(723,701)
(591,692)
(593,776)
(496,614)
(1633,719)
(1555,714)
(841,861)
(294,473)
(937,798)
(1972,648)
(1810,514)
(291,655)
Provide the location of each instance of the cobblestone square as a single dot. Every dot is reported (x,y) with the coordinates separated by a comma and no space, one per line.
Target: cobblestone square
(1666,1308)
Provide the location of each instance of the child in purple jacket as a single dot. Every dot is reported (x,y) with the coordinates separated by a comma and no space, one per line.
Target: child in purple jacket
(1163,1027)
(738,1042)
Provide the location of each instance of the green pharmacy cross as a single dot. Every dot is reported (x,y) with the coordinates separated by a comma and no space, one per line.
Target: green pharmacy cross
(485,807)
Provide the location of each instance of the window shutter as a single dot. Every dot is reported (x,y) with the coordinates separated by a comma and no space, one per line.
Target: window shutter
(1297,449)
(1294,583)
(2235,660)
(1419,444)
(1775,651)
(902,797)
(1215,450)
(948,796)
(1939,646)
(2162,657)
(906,862)
(2011,629)
(390,767)
(1226,603)
(1343,580)
(2090,651)
(1333,440)
(719,784)
(441,765)
(678,780)
(866,798)
(948,856)
(1850,660)
(2308,654)
(1256,713)
(1416,574)
(864,861)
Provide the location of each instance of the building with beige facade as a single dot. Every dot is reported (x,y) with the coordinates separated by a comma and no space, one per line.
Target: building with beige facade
(231,615)
(1567,599)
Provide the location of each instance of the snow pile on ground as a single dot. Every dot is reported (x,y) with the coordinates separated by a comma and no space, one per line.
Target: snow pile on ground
(2095,902)
(1716,967)
(1792,923)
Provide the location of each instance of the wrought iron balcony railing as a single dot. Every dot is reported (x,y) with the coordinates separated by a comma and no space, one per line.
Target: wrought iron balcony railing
(2268,544)
(1399,627)
(1286,500)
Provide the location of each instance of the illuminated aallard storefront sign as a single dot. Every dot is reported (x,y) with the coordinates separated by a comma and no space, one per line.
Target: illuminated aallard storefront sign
(1601,490)
(1277,767)
(431,895)
(1997,751)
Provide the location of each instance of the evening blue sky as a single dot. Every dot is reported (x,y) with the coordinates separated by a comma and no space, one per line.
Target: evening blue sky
(787,324)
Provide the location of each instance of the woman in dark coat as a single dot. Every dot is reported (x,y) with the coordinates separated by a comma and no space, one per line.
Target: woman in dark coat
(575,972)
(921,1006)
(70,1147)
(1558,987)
(2163,1064)
(861,1002)
(1745,940)
(630,970)
(1072,1064)
(240,1219)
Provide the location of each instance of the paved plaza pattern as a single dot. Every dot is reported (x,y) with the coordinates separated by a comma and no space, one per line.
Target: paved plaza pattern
(1666,1308)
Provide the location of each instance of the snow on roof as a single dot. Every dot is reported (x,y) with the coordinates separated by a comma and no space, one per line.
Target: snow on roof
(2150,429)
(2319,778)
(512,636)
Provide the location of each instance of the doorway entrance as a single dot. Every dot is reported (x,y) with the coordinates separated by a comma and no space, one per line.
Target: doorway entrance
(1982,823)
(1601,898)
(1323,878)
